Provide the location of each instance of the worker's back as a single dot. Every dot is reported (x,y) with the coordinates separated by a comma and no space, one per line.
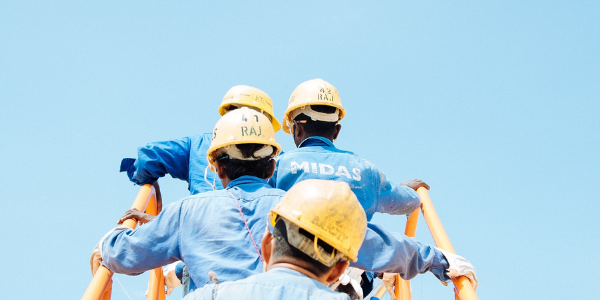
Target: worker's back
(276,284)
(317,158)
(206,231)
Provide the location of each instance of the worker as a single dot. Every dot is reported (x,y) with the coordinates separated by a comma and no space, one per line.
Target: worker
(312,118)
(312,235)
(185,159)
(213,230)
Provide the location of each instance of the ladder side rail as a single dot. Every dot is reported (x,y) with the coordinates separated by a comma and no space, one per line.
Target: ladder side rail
(402,289)
(156,284)
(463,288)
(379,294)
(103,276)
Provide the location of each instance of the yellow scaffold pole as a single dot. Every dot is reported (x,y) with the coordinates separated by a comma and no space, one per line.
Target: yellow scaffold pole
(462,286)
(102,278)
(402,289)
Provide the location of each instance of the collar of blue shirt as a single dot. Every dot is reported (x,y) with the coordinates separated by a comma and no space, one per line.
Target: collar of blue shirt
(246,179)
(315,141)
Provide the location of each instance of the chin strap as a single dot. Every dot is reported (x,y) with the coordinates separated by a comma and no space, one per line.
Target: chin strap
(212,185)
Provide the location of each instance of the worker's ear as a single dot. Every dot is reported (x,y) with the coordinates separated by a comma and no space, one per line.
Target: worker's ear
(298,133)
(337,271)
(220,170)
(338,128)
(266,249)
(298,129)
(272,166)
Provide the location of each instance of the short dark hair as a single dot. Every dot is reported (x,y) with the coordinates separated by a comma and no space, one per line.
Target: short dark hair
(235,168)
(318,128)
(283,249)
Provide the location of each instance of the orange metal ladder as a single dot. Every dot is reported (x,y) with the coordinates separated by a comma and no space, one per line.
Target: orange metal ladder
(101,285)
(462,286)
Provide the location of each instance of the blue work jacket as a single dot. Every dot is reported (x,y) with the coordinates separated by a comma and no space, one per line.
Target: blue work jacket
(183,159)
(276,284)
(207,233)
(318,158)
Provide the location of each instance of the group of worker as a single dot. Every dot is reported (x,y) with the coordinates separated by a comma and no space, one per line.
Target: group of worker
(302,217)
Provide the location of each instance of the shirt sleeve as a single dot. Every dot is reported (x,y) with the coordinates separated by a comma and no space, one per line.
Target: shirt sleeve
(157,159)
(204,293)
(383,252)
(150,246)
(392,198)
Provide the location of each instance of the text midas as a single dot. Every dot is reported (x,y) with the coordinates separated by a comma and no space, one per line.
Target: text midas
(325,169)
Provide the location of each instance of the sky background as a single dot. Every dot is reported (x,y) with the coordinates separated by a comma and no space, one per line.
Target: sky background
(495,105)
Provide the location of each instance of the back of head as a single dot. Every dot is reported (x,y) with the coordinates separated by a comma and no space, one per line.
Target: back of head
(321,222)
(308,99)
(247,96)
(315,127)
(244,141)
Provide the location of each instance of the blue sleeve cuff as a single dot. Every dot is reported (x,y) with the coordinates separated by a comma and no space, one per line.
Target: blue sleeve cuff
(440,267)
(127,166)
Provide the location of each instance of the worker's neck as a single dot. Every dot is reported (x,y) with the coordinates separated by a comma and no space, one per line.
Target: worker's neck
(303,137)
(322,279)
(225,181)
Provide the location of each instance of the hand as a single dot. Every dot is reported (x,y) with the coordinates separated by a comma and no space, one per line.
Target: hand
(95,260)
(415,184)
(136,215)
(389,281)
(158,197)
(459,266)
(96,257)
(171,280)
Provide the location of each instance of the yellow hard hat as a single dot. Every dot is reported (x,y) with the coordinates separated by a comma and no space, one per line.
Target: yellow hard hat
(330,211)
(313,92)
(242,126)
(243,95)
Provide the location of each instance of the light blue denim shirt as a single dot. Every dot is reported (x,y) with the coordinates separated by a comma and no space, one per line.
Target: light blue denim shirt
(183,159)
(205,231)
(318,158)
(276,284)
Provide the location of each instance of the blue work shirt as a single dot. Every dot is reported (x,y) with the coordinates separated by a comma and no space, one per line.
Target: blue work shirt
(276,284)
(318,158)
(205,231)
(184,159)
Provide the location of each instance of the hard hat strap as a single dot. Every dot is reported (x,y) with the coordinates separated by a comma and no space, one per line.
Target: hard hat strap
(315,115)
(309,245)
(234,152)
(319,252)
(212,185)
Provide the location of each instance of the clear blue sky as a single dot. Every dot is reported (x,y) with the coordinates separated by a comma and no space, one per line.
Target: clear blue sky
(495,105)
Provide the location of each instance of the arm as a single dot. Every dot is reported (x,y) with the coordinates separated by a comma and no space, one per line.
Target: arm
(395,199)
(382,252)
(136,215)
(155,244)
(157,159)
